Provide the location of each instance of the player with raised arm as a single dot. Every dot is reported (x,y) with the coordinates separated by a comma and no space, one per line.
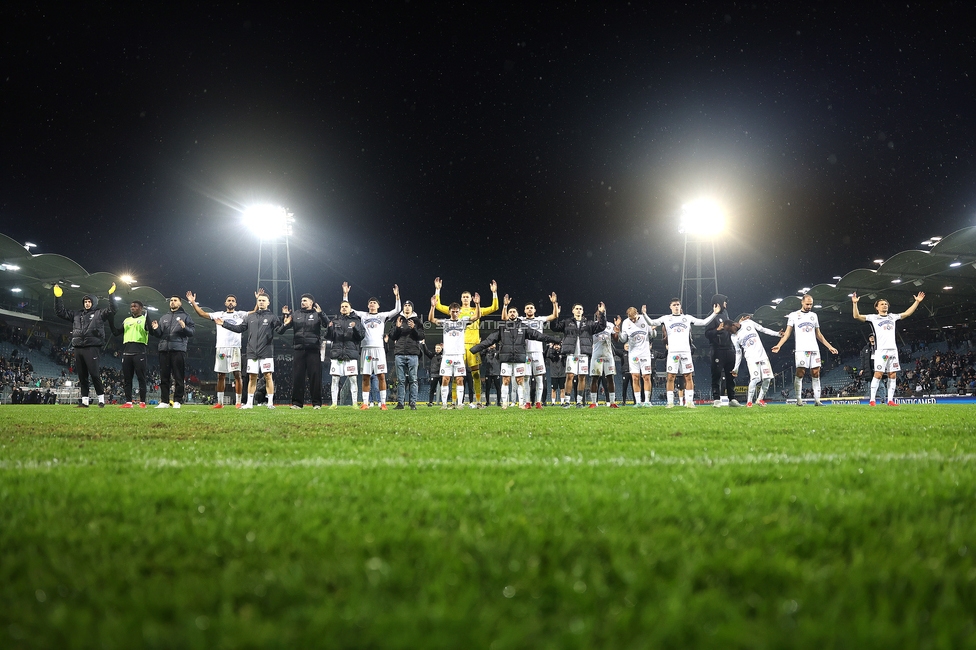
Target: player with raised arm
(373,356)
(602,365)
(472,335)
(677,326)
(535,355)
(452,359)
(807,355)
(746,342)
(260,326)
(637,331)
(228,353)
(577,346)
(886,347)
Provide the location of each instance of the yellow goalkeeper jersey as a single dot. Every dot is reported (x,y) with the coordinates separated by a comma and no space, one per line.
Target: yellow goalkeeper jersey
(472,335)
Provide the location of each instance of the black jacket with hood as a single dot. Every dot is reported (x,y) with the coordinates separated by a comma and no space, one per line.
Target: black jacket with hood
(87,325)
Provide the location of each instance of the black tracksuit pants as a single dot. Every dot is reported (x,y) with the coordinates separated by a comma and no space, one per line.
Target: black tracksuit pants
(306,366)
(86,365)
(134,364)
(172,363)
(723,362)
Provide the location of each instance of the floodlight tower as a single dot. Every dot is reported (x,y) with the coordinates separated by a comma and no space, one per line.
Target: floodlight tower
(273,226)
(701,221)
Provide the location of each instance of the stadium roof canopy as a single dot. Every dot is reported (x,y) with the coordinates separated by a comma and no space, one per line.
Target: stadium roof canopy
(946,273)
(35,276)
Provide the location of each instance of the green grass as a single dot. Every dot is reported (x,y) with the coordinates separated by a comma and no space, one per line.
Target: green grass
(785,527)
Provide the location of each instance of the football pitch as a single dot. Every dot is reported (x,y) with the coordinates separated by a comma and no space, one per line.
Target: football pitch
(831,527)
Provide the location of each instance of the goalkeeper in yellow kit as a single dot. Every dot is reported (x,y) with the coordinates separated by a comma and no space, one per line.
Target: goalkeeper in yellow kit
(472,335)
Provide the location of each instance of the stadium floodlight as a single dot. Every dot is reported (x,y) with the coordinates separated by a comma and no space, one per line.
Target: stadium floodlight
(776,301)
(837,277)
(803,290)
(128,279)
(818,306)
(9,267)
(269,221)
(947,288)
(879,261)
(955,264)
(15,290)
(28,245)
(896,281)
(701,218)
(75,286)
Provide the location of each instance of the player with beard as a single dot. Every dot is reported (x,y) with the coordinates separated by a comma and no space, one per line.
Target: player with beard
(373,356)
(228,346)
(638,332)
(807,355)
(260,326)
(577,346)
(535,355)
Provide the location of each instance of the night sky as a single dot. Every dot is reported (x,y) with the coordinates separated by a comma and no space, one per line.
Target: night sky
(548,148)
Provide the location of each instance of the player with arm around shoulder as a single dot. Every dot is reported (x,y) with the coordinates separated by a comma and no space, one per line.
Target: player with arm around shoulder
(677,327)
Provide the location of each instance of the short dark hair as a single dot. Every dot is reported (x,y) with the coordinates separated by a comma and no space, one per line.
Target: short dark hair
(530,304)
(453,305)
(675,300)
(230,295)
(376,300)
(138,302)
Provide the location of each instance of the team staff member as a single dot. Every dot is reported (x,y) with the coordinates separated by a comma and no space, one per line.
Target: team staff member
(135,340)
(260,326)
(87,338)
(307,324)
(173,330)
(408,336)
(346,332)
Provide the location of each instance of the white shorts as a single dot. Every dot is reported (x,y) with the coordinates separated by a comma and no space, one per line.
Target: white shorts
(536,363)
(339,368)
(452,365)
(807,359)
(513,370)
(760,369)
(602,367)
(886,361)
(228,360)
(680,363)
(260,366)
(577,364)
(373,361)
(640,364)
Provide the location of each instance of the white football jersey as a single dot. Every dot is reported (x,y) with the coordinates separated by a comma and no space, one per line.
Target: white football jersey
(226,338)
(747,340)
(454,335)
(375,325)
(638,335)
(537,323)
(679,330)
(884,330)
(805,325)
(603,344)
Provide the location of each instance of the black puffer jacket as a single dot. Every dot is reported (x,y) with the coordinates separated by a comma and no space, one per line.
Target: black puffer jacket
(408,338)
(720,339)
(582,331)
(510,337)
(172,336)
(260,327)
(87,325)
(346,333)
(307,324)
(434,365)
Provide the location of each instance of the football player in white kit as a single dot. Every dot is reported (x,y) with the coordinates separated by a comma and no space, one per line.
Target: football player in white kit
(807,355)
(372,359)
(678,329)
(452,359)
(886,347)
(745,340)
(535,355)
(228,354)
(637,332)
(602,365)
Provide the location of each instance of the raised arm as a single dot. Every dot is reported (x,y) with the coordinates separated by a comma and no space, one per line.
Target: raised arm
(192,299)
(857,314)
(442,308)
(494,301)
(434,301)
(911,310)
(555,307)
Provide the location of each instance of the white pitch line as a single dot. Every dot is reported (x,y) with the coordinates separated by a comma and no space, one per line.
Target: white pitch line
(462,462)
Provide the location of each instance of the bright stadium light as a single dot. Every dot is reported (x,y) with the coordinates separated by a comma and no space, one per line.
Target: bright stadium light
(953,265)
(28,245)
(128,279)
(702,218)
(269,221)
(15,290)
(947,288)
(896,281)
(879,261)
